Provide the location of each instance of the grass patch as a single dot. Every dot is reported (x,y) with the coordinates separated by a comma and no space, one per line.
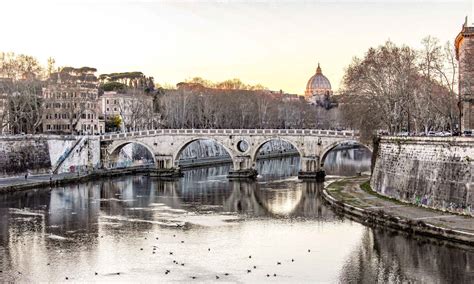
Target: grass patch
(341,195)
(338,185)
(367,188)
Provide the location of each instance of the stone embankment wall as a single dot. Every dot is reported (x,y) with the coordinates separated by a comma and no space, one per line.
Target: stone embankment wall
(40,154)
(429,171)
(82,155)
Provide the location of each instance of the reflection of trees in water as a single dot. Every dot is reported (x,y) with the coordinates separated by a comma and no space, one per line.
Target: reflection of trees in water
(386,256)
(340,161)
(5,244)
(31,217)
(71,209)
(205,173)
(59,211)
(37,201)
(347,162)
(121,196)
(278,167)
(280,198)
(311,204)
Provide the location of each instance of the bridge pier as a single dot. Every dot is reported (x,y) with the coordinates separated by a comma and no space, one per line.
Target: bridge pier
(310,169)
(243,168)
(104,156)
(165,167)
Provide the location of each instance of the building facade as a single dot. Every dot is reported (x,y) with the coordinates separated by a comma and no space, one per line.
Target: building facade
(70,100)
(135,110)
(464,45)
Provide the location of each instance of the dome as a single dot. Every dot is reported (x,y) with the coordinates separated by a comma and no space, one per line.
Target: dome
(318,83)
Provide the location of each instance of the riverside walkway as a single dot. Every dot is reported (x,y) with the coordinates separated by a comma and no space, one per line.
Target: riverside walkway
(15,183)
(32,179)
(369,207)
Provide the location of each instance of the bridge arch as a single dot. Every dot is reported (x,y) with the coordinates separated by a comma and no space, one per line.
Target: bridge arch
(115,150)
(333,145)
(183,146)
(255,151)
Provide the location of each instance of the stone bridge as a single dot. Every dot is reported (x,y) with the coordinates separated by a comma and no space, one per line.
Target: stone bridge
(242,145)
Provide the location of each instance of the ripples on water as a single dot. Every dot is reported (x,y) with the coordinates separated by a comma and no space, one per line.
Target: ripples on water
(111,226)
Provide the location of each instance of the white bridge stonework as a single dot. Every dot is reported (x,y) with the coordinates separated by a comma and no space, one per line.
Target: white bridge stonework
(167,144)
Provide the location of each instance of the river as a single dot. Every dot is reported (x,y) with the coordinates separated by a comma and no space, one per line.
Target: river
(206,228)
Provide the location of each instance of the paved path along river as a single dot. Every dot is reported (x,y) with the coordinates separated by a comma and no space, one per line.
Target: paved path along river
(15,180)
(349,192)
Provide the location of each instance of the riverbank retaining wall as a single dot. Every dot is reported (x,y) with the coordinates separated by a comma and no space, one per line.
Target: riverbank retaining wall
(435,172)
(42,154)
(82,155)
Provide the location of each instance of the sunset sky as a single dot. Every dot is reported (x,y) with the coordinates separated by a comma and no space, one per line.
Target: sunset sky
(275,43)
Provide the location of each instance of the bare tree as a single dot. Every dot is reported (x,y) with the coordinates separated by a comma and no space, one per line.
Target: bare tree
(382,83)
(21,90)
(438,67)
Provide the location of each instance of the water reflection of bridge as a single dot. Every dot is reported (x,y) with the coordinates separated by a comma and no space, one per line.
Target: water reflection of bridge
(250,198)
(380,256)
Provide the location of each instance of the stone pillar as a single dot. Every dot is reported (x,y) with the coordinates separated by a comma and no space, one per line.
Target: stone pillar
(243,168)
(310,169)
(105,158)
(166,167)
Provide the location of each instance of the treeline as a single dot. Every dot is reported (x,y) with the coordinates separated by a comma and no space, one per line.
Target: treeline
(123,81)
(231,84)
(193,105)
(400,89)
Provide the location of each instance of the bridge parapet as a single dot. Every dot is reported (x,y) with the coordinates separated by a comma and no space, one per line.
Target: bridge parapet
(281,132)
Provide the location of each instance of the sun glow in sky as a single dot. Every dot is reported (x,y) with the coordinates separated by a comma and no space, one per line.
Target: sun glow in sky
(275,43)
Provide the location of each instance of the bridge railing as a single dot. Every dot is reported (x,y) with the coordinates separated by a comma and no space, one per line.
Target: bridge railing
(316,132)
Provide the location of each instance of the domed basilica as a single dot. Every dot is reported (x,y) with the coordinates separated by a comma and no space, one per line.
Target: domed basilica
(318,89)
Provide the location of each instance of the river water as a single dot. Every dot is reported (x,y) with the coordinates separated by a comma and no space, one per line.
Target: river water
(277,229)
